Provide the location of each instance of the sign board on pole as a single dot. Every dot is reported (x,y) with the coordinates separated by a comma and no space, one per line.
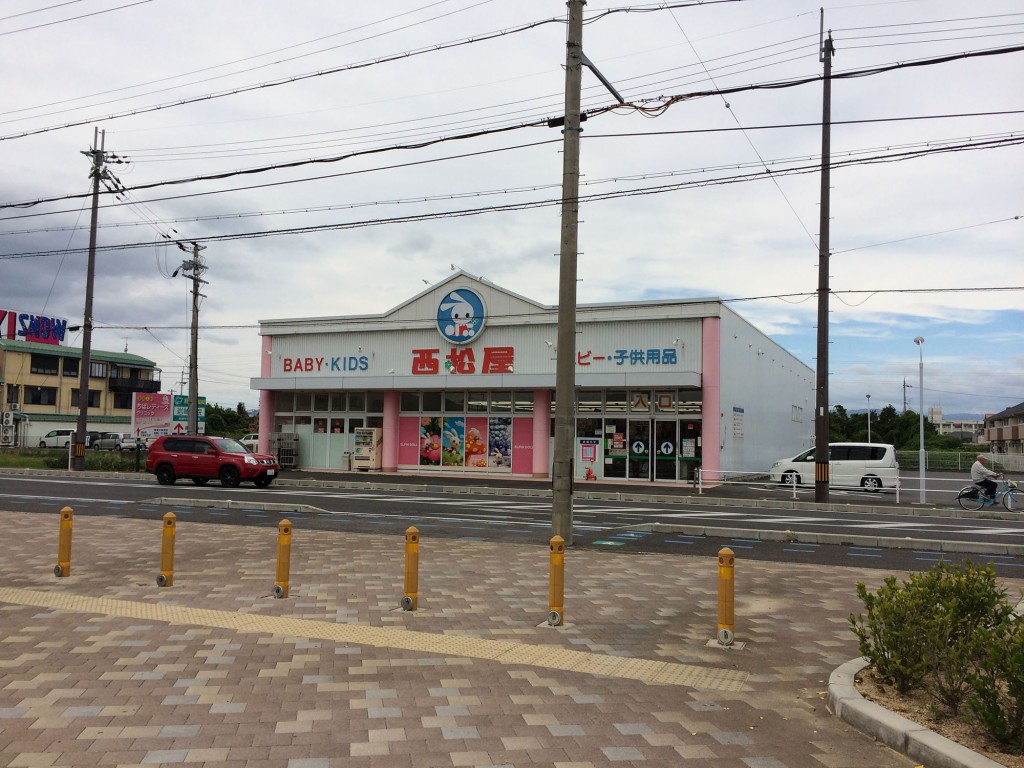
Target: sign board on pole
(159,414)
(179,425)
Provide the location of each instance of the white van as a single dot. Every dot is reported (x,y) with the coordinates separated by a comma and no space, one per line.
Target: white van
(871,466)
(57,438)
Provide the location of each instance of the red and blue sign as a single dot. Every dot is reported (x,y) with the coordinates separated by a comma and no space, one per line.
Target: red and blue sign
(23,326)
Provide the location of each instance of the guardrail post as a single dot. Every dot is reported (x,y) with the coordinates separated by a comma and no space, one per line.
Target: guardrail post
(410,600)
(726,596)
(700,481)
(284,557)
(556,582)
(63,567)
(166,577)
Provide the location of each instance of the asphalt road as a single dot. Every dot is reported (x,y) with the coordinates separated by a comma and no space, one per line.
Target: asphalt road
(678,523)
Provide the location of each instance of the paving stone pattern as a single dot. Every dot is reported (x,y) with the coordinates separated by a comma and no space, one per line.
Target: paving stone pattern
(94,689)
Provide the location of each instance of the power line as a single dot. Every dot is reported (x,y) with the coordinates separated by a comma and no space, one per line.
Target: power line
(460,213)
(72,18)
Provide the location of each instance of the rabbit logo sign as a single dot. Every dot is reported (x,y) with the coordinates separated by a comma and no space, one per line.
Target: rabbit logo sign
(460,316)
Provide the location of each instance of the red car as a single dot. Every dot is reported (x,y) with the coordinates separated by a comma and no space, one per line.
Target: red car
(202,458)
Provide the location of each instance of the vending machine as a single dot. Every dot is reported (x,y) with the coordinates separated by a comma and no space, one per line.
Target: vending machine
(368,448)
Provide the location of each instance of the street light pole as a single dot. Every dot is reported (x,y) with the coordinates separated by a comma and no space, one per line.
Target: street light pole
(919,340)
(869,417)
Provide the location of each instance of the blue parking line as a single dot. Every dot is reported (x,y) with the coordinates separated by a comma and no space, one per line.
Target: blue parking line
(863,554)
(867,549)
(800,551)
(677,541)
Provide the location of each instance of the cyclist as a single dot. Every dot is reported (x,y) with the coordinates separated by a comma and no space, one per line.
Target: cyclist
(982,476)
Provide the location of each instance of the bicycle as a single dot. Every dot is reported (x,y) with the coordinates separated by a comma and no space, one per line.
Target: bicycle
(971,498)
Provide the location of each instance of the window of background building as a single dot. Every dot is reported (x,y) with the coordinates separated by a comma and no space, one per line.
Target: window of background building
(303,401)
(321,401)
(40,395)
(431,402)
(71,367)
(409,402)
(44,363)
(356,402)
(98,370)
(455,402)
(12,393)
(122,400)
(522,402)
(94,398)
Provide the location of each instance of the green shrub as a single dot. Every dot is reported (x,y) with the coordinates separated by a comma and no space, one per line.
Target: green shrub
(890,634)
(97,461)
(998,685)
(926,631)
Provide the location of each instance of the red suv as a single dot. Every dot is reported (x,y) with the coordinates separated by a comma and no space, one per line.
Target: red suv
(201,458)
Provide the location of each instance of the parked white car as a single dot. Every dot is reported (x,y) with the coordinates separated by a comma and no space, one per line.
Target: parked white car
(57,438)
(250,441)
(114,441)
(871,466)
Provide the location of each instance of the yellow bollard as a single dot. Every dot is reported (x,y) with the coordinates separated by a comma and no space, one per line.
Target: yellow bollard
(556,582)
(412,569)
(63,567)
(166,577)
(726,590)
(284,557)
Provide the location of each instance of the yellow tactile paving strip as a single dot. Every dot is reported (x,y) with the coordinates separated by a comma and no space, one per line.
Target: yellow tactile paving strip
(502,652)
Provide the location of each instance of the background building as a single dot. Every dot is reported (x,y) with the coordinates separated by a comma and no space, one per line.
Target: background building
(40,385)
(461,378)
(1005,430)
(969,429)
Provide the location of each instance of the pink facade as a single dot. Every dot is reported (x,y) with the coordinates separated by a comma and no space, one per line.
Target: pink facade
(711,384)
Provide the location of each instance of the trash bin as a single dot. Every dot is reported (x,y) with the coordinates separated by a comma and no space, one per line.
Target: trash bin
(346,461)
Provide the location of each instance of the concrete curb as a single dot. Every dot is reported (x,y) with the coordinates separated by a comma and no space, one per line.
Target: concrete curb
(903,735)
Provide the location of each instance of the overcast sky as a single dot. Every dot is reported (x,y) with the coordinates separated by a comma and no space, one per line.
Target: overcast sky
(926,184)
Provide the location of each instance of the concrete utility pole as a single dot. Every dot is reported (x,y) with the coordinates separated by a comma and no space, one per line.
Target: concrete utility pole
(196,266)
(821,432)
(565,355)
(81,428)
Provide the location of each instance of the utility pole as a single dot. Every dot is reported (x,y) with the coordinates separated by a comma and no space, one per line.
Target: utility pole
(565,355)
(196,266)
(99,140)
(821,431)
(905,385)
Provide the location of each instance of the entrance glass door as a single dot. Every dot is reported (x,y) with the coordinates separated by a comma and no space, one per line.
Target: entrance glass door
(665,449)
(653,449)
(638,442)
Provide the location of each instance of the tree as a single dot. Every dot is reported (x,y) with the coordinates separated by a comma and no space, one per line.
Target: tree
(227,422)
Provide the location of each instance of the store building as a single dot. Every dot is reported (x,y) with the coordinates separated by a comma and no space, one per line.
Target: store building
(40,383)
(461,378)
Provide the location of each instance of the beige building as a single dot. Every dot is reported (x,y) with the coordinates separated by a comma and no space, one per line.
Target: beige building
(40,386)
(970,429)
(1005,430)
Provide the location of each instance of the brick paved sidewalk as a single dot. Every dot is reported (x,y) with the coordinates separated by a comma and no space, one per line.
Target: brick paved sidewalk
(103,668)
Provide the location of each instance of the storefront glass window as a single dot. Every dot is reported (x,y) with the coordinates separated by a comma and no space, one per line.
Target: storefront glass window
(501,402)
(283,424)
(320,425)
(665,401)
(303,423)
(354,424)
(375,421)
(337,426)
(588,427)
(338,402)
(431,402)
(616,401)
(409,402)
(589,402)
(639,401)
(523,402)
(689,402)
(321,401)
(356,402)
(477,402)
(455,402)
(303,401)
(375,402)
(284,402)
